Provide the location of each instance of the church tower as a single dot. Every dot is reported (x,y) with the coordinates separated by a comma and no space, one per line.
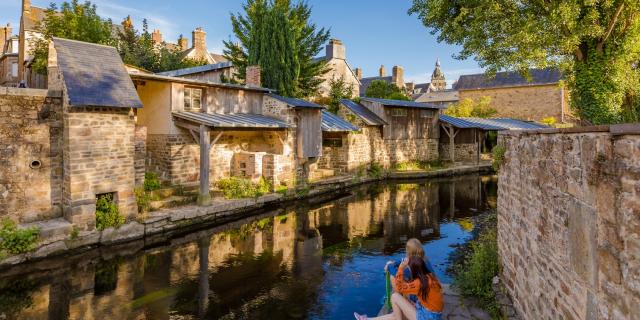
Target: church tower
(438,83)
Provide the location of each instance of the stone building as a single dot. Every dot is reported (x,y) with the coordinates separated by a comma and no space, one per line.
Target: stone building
(393,131)
(336,147)
(339,68)
(514,96)
(438,82)
(68,145)
(442,98)
(9,46)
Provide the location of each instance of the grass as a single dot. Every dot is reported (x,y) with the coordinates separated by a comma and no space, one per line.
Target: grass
(477,265)
(14,240)
(238,188)
(419,165)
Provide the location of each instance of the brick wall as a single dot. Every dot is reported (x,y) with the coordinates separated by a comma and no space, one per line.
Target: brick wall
(526,103)
(569,222)
(30,154)
(98,158)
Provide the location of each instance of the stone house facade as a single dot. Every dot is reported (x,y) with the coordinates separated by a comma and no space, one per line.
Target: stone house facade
(339,68)
(9,46)
(515,97)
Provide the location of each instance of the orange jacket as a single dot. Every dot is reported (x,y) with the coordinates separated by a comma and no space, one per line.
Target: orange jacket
(434,301)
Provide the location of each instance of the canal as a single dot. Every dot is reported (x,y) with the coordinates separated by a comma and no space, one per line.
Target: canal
(308,261)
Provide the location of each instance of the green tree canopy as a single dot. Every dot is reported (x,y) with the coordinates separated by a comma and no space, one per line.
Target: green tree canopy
(338,89)
(470,108)
(138,49)
(595,43)
(384,90)
(74,21)
(279,37)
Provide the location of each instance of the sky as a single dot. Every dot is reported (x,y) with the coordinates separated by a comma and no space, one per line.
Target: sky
(374,32)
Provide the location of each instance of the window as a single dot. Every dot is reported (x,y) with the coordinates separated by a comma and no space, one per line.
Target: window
(398,112)
(192,98)
(426,114)
(14,69)
(332,142)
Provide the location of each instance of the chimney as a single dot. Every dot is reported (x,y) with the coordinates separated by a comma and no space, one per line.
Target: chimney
(199,39)
(335,50)
(183,43)
(253,76)
(359,73)
(397,76)
(5,34)
(381,71)
(156,36)
(26,5)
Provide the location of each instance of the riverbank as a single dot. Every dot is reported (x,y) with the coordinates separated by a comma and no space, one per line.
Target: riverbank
(58,237)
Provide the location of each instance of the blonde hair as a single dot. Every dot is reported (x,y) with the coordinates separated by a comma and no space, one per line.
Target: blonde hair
(414,248)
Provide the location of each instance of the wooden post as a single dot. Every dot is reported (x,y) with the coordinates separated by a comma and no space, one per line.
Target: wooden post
(204,198)
(452,147)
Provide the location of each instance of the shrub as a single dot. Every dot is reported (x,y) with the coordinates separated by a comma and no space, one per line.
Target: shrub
(550,121)
(107,214)
(498,156)
(151,181)
(475,276)
(282,190)
(143,200)
(375,170)
(237,188)
(16,241)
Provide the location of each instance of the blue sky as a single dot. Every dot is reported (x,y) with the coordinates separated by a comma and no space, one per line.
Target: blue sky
(374,32)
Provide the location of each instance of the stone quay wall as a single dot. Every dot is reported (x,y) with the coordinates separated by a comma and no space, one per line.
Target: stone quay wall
(569,222)
(30,154)
(462,151)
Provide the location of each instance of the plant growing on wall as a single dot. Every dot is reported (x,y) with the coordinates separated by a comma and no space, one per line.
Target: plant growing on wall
(107,213)
(279,37)
(498,156)
(14,240)
(595,43)
(237,188)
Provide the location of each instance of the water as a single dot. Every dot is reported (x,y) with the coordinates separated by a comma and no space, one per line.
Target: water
(315,261)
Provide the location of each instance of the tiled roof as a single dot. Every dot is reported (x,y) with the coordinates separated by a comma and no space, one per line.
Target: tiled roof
(508,79)
(197,69)
(333,123)
(232,120)
(495,124)
(94,75)
(296,103)
(363,113)
(402,103)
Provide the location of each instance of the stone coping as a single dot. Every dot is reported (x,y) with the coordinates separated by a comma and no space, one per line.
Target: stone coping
(56,234)
(10,91)
(614,129)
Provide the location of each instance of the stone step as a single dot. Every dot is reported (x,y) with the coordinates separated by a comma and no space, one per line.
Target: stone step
(174,191)
(172,201)
(51,230)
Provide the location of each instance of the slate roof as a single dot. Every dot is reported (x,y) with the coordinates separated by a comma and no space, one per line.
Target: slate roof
(232,120)
(496,124)
(508,79)
(198,69)
(366,82)
(333,123)
(94,75)
(402,103)
(33,17)
(159,77)
(422,86)
(438,96)
(363,113)
(296,103)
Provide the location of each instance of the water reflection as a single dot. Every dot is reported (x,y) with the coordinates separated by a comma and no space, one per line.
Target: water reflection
(321,261)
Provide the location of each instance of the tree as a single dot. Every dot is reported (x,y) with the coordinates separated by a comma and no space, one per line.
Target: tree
(469,108)
(383,90)
(74,21)
(595,43)
(138,49)
(338,89)
(280,38)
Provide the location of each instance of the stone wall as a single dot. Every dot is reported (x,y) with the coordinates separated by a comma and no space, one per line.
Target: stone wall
(569,222)
(140,153)
(462,151)
(526,103)
(30,154)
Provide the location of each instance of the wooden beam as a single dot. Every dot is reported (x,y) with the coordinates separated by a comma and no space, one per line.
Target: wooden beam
(204,198)
(186,125)
(215,139)
(196,136)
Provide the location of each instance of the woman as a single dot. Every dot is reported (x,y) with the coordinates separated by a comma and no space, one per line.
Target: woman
(413,249)
(423,284)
